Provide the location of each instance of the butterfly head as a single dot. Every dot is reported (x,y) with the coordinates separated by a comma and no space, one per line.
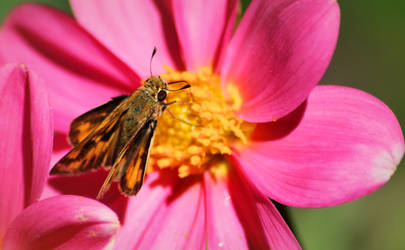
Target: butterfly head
(158,87)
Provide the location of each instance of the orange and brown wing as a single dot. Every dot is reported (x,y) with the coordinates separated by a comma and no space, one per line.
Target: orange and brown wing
(83,125)
(131,164)
(132,176)
(91,151)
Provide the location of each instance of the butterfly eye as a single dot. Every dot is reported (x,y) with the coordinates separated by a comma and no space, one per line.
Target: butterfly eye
(161,95)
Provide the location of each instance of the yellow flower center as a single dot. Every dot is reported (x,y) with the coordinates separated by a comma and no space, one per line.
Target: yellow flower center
(194,134)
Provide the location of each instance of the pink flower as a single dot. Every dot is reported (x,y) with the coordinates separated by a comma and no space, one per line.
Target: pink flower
(275,133)
(25,151)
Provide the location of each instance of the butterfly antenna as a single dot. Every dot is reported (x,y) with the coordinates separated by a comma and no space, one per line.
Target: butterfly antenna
(176,82)
(184,87)
(150,63)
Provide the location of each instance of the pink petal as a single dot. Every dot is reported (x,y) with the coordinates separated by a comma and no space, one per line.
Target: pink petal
(79,184)
(201,26)
(347,145)
(80,74)
(61,147)
(25,140)
(279,53)
(63,222)
(130,29)
(240,217)
(168,213)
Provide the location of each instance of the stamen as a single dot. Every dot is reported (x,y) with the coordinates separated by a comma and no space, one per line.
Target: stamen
(194,149)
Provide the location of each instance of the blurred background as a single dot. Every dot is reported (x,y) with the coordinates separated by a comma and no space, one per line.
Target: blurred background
(369,56)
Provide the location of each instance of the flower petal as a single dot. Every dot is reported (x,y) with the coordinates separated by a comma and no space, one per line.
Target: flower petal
(240,217)
(167,213)
(130,29)
(279,53)
(63,222)
(79,184)
(61,147)
(347,145)
(25,140)
(78,71)
(201,25)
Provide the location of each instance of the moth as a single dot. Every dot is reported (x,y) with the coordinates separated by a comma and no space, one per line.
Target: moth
(118,134)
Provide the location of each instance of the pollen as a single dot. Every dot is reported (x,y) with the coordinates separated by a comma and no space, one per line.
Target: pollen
(200,127)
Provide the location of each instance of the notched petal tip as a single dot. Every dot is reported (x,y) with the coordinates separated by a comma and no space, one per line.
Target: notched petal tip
(67,222)
(384,164)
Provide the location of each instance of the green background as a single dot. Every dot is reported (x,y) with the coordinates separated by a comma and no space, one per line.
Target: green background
(369,56)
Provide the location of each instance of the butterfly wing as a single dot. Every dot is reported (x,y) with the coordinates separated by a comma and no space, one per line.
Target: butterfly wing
(131,164)
(132,175)
(83,125)
(90,152)
(103,145)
